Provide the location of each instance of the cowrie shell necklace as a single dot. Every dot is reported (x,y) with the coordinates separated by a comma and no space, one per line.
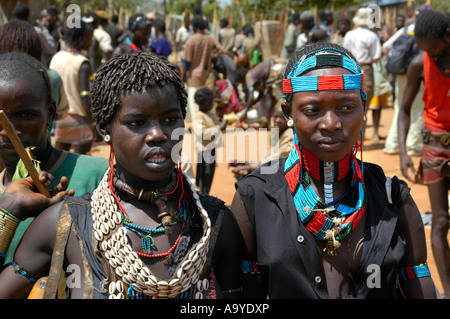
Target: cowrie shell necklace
(129,268)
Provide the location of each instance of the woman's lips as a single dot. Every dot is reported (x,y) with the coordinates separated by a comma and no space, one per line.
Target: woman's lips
(330,145)
(157,159)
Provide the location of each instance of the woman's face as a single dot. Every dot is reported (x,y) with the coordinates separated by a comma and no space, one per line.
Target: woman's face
(141,133)
(327,123)
(27,109)
(142,34)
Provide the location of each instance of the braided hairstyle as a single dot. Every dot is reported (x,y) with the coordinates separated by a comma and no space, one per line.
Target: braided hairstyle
(20,36)
(431,22)
(132,72)
(309,50)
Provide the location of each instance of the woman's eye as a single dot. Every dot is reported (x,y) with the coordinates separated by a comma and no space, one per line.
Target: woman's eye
(170,119)
(348,108)
(310,110)
(135,123)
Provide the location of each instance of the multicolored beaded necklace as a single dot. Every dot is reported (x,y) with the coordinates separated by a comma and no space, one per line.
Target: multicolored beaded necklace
(157,197)
(320,217)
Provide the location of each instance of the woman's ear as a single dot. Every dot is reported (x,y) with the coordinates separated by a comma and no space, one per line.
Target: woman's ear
(104,132)
(286,107)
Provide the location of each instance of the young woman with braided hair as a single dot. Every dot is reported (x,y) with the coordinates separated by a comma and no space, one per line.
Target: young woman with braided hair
(144,232)
(322,223)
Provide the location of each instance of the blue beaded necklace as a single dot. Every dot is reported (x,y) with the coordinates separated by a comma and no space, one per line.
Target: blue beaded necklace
(147,234)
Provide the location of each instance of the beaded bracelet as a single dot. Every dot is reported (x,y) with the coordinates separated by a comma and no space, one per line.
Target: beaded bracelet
(249,267)
(409,273)
(20,270)
(231,291)
(8,226)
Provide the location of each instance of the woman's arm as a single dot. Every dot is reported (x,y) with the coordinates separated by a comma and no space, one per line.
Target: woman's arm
(416,251)
(33,256)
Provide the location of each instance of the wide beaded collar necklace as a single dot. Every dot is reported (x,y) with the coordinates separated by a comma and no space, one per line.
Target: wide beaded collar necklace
(130,273)
(320,217)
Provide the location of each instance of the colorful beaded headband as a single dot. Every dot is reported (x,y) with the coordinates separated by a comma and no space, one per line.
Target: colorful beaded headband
(293,82)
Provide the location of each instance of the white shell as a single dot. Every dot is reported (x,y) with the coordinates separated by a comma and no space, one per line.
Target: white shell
(140,279)
(198,295)
(152,279)
(145,271)
(123,240)
(119,286)
(119,271)
(104,245)
(120,295)
(149,292)
(199,286)
(98,235)
(205,284)
(122,231)
(126,279)
(186,265)
(136,287)
(113,262)
(112,287)
(174,283)
(163,285)
(117,218)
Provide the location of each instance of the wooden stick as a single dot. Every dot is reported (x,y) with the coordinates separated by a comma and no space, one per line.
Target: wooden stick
(18,146)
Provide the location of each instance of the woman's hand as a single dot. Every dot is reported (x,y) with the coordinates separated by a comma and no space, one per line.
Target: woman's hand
(22,199)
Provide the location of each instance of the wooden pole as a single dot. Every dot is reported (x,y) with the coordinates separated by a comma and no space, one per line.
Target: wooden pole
(18,146)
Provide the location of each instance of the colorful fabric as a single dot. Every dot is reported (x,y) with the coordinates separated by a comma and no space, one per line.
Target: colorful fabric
(436,95)
(434,153)
(293,83)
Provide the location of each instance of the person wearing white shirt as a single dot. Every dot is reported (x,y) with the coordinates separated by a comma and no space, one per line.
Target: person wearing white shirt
(365,47)
(182,35)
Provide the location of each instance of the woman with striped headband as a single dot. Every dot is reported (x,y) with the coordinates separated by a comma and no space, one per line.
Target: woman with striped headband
(322,223)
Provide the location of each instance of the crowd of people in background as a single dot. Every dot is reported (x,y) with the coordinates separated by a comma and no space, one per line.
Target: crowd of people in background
(230,83)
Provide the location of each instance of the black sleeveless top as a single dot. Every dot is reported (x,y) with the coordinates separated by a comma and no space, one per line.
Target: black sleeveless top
(291,266)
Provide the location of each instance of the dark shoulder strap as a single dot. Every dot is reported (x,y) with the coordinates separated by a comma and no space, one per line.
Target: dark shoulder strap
(62,235)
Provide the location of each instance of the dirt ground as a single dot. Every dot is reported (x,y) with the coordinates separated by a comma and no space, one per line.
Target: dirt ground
(223,183)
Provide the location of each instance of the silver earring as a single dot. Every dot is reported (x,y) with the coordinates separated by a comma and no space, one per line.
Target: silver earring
(107,138)
(365,118)
(290,122)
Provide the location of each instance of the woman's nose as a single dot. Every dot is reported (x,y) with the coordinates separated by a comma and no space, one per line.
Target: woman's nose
(330,121)
(155,135)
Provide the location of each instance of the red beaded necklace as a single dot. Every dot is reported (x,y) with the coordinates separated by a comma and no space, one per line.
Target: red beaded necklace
(124,213)
(315,167)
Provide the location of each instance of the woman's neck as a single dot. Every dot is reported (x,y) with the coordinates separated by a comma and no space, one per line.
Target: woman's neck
(330,180)
(137,182)
(326,172)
